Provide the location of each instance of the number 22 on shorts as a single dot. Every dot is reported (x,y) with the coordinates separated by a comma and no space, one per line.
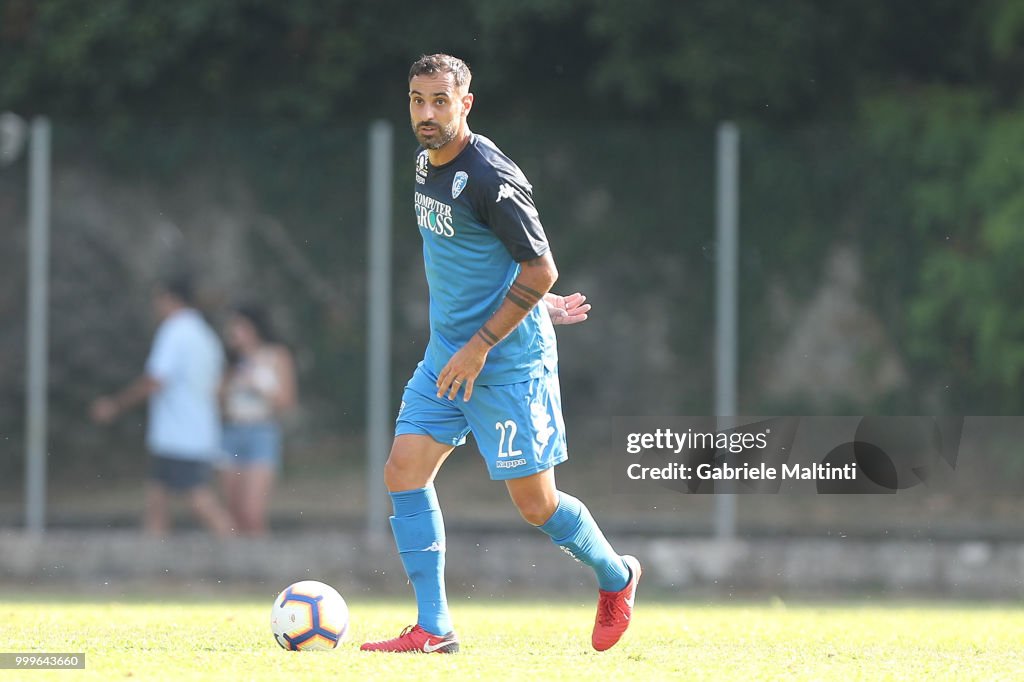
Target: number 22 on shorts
(509,428)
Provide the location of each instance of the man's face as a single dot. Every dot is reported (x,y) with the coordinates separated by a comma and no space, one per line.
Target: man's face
(437,108)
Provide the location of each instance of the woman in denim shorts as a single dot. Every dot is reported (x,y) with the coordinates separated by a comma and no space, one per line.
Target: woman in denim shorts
(259,386)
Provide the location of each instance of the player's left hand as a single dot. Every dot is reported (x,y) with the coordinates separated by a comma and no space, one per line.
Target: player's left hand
(461,371)
(569,309)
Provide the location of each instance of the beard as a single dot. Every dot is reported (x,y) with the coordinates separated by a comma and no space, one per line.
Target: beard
(444,134)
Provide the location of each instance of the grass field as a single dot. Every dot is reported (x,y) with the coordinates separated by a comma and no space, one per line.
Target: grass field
(231,640)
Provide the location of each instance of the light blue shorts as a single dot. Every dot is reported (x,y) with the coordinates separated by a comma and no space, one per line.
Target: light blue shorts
(518,427)
(249,445)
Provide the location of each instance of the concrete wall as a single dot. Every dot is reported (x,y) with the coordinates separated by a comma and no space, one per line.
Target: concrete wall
(493,565)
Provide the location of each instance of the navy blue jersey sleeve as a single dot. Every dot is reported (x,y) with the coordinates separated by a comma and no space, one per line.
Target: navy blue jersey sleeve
(506,205)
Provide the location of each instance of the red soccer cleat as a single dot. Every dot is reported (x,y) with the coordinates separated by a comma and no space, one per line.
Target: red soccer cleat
(615,609)
(416,640)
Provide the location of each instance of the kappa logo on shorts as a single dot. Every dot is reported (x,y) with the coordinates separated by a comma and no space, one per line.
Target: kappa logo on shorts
(510,463)
(542,429)
(459,183)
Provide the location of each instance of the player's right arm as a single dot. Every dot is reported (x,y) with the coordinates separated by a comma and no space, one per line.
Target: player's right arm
(535,278)
(504,202)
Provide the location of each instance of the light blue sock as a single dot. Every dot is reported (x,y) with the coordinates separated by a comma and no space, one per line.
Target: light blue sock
(419,535)
(573,529)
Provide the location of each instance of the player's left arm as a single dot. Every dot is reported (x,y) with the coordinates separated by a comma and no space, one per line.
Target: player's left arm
(529,287)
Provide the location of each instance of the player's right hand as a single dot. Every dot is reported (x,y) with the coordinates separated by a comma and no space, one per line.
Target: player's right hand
(462,370)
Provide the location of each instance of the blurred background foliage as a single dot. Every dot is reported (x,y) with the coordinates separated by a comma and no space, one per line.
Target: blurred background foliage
(893,129)
(320,61)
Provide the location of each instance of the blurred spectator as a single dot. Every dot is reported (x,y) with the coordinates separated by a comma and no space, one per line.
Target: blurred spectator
(180,380)
(258,388)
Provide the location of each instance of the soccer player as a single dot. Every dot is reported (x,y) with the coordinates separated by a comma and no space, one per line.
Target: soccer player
(490,366)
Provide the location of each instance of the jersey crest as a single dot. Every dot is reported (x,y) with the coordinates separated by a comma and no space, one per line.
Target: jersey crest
(421,167)
(459,183)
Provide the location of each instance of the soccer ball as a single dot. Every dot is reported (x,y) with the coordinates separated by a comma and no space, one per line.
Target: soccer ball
(309,616)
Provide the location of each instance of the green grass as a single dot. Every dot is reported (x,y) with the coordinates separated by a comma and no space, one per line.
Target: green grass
(231,641)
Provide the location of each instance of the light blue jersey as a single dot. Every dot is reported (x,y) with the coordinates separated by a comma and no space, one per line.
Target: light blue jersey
(478,222)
